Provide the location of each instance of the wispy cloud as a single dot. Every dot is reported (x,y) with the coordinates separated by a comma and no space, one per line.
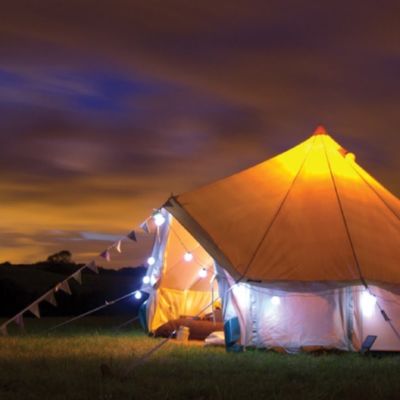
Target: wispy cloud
(100,236)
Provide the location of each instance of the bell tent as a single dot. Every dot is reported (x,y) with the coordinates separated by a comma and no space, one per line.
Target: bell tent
(301,251)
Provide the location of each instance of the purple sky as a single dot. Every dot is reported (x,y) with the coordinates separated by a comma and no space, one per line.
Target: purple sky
(109,106)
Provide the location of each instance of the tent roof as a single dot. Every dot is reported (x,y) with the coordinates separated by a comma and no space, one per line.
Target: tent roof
(308,214)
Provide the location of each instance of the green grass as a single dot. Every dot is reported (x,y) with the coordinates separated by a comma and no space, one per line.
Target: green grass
(66,365)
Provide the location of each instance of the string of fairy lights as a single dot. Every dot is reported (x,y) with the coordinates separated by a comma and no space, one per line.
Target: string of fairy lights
(159,220)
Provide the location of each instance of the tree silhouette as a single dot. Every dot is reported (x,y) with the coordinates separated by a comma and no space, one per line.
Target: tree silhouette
(62,257)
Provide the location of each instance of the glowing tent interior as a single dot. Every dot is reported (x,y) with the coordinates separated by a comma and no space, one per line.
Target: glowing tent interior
(303,251)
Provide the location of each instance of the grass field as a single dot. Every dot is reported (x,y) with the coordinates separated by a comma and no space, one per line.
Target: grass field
(67,365)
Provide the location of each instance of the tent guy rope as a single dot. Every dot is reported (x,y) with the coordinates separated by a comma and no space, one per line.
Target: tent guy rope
(107,304)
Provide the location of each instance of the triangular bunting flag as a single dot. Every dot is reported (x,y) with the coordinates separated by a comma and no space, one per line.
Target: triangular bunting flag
(145,227)
(51,299)
(78,276)
(64,286)
(19,320)
(34,309)
(106,255)
(118,246)
(132,235)
(93,267)
(3,330)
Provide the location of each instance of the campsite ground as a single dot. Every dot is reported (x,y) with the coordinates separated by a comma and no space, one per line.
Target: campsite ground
(66,364)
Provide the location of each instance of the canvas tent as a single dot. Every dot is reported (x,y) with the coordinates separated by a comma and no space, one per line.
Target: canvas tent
(303,250)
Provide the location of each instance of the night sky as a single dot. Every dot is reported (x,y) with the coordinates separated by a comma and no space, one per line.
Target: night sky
(109,106)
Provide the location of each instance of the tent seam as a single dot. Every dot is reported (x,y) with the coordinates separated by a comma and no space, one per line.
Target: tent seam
(376,193)
(269,227)
(346,227)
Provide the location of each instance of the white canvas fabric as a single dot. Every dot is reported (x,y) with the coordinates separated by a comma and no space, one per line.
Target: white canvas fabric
(368,319)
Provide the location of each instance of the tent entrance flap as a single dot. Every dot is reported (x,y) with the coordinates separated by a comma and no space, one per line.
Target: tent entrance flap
(184,284)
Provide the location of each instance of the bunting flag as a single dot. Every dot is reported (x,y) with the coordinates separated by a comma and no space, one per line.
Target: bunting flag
(50,298)
(132,235)
(19,320)
(106,255)
(118,246)
(78,276)
(93,267)
(3,330)
(34,309)
(145,227)
(64,286)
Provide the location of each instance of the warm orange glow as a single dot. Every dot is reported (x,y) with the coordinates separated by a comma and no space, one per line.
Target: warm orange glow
(309,209)
(42,225)
(314,156)
(351,156)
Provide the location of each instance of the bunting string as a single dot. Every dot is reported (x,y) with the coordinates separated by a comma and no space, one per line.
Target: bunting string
(76,276)
(34,307)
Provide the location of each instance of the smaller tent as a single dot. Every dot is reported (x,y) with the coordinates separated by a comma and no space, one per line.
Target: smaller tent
(303,251)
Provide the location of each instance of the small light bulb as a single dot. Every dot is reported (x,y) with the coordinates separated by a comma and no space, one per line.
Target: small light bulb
(275,300)
(146,280)
(151,261)
(350,156)
(138,295)
(158,218)
(188,256)
(202,273)
(367,302)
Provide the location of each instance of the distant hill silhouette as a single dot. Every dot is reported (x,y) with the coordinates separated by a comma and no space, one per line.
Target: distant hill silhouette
(22,284)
